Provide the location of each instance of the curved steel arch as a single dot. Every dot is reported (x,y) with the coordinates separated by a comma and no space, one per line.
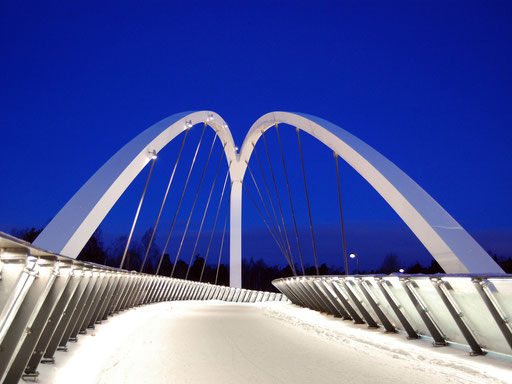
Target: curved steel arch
(75,223)
(453,248)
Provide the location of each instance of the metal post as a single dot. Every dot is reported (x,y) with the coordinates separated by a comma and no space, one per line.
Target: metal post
(235,236)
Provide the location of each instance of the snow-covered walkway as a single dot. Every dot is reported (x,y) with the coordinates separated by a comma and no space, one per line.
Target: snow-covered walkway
(218,342)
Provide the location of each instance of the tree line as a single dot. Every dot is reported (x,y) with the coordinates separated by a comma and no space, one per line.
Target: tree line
(96,251)
(256,274)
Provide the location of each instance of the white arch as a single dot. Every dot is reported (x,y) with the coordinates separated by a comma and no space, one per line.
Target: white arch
(75,223)
(454,249)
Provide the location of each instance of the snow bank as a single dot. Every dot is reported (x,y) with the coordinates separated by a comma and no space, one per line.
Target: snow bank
(219,342)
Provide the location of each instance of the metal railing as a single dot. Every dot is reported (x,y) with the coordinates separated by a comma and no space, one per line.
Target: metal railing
(468,310)
(47,300)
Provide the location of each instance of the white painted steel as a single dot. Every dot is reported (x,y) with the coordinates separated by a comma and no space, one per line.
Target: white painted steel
(72,227)
(454,249)
(235,236)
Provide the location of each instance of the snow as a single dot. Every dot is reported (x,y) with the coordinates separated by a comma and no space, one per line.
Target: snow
(219,342)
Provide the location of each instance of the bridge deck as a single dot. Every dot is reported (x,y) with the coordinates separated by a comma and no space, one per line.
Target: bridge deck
(218,342)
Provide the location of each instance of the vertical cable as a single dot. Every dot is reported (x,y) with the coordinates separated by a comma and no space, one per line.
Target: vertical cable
(214,224)
(263,202)
(181,199)
(341,216)
(307,200)
(223,234)
(205,211)
(271,233)
(163,201)
(193,205)
(278,201)
(271,202)
(291,203)
(137,214)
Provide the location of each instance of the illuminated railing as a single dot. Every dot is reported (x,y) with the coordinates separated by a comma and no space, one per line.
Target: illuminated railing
(468,310)
(47,300)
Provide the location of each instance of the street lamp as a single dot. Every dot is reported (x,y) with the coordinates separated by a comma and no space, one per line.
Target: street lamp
(401,270)
(355,256)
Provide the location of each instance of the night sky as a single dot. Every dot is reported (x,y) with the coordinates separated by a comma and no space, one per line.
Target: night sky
(429,85)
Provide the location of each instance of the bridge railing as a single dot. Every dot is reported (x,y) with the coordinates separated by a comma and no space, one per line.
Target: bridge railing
(472,311)
(47,300)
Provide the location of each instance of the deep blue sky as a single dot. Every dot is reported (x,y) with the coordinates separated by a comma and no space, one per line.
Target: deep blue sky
(428,84)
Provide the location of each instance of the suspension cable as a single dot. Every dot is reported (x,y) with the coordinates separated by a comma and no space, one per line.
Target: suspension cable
(270,198)
(214,224)
(181,199)
(341,215)
(137,213)
(307,200)
(163,201)
(205,211)
(263,201)
(290,198)
(193,204)
(265,221)
(278,200)
(223,234)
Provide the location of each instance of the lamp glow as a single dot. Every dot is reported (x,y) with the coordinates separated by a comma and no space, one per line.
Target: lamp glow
(355,256)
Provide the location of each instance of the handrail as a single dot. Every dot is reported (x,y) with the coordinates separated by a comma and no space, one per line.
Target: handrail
(470,310)
(47,299)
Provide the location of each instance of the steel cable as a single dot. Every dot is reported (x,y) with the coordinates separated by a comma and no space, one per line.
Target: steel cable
(278,200)
(271,233)
(205,211)
(291,202)
(137,214)
(341,215)
(263,202)
(193,205)
(181,199)
(270,198)
(307,200)
(163,201)
(214,224)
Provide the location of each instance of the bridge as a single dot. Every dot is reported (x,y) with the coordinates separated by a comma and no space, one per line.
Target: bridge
(49,297)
